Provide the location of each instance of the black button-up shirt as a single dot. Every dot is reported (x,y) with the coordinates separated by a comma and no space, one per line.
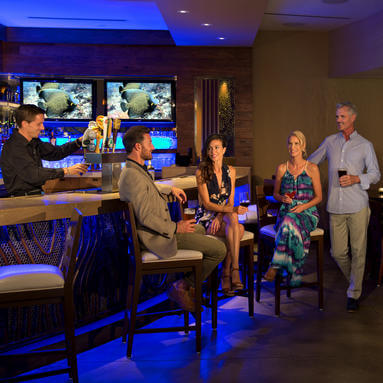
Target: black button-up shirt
(22,166)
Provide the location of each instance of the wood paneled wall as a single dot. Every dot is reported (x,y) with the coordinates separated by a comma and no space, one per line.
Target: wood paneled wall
(357,48)
(186,63)
(292,91)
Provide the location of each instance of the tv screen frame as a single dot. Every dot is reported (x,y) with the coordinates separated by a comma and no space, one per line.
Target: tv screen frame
(129,94)
(63,97)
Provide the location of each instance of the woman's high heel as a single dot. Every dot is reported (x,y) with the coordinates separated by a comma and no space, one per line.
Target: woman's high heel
(226,285)
(236,283)
(271,273)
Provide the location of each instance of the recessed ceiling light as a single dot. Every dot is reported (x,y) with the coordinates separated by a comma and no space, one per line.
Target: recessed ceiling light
(183,11)
(334,1)
(206,25)
(220,38)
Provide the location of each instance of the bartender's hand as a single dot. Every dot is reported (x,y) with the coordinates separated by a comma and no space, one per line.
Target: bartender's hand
(76,169)
(349,180)
(186,226)
(179,194)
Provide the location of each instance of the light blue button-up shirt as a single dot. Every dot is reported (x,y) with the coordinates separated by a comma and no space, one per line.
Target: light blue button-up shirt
(358,157)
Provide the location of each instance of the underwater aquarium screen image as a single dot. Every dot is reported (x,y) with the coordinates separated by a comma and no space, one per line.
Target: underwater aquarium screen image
(152,101)
(61,100)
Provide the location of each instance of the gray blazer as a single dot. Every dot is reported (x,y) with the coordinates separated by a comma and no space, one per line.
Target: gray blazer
(155,228)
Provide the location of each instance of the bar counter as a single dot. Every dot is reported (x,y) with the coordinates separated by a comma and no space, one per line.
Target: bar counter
(17,210)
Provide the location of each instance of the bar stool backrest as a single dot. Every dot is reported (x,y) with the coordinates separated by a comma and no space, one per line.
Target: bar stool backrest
(132,237)
(70,254)
(267,210)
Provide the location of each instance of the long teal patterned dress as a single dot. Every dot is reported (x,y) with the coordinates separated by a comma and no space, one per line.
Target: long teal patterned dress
(292,241)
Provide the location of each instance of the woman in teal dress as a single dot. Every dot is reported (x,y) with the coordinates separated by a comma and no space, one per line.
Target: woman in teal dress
(298,188)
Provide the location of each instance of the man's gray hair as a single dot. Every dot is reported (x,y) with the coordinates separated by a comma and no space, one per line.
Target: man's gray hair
(351,107)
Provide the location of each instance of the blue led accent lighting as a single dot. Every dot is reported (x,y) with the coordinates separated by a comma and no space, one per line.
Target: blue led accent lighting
(160,160)
(166,140)
(119,144)
(157,124)
(59,140)
(160,139)
(63,140)
(64,163)
(66,124)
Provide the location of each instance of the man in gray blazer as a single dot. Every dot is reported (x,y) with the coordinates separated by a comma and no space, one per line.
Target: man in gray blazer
(156,231)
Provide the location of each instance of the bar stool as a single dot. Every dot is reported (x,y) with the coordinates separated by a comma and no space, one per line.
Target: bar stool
(35,284)
(143,263)
(247,244)
(266,238)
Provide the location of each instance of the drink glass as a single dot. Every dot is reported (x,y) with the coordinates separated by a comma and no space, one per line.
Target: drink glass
(342,172)
(188,213)
(244,199)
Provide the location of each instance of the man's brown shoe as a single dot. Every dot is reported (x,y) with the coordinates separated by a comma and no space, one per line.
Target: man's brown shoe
(181,296)
(192,295)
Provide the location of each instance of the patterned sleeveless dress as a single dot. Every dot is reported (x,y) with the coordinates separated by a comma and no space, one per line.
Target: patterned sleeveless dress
(217,195)
(292,240)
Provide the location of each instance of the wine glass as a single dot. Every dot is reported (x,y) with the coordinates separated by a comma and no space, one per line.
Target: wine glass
(244,199)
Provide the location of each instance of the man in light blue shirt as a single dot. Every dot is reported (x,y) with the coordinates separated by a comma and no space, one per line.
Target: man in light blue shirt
(347,196)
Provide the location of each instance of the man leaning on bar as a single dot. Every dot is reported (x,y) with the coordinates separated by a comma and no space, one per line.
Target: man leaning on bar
(22,155)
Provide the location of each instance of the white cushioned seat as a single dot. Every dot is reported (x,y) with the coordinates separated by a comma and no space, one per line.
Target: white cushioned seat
(181,255)
(267,230)
(30,277)
(246,235)
(270,232)
(317,231)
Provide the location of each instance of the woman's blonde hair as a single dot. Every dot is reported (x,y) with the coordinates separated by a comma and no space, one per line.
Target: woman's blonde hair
(301,138)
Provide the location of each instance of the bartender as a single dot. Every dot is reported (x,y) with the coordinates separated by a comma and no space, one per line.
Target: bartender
(22,153)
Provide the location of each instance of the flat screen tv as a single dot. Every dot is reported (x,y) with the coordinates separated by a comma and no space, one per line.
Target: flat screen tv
(62,99)
(141,100)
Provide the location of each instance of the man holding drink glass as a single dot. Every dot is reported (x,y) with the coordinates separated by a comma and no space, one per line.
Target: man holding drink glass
(352,168)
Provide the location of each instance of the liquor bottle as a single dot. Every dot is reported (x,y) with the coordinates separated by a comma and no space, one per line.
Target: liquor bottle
(52,140)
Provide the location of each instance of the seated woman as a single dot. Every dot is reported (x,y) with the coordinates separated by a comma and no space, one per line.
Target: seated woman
(217,213)
(298,187)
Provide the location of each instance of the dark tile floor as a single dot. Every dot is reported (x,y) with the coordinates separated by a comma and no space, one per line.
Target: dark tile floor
(303,345)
